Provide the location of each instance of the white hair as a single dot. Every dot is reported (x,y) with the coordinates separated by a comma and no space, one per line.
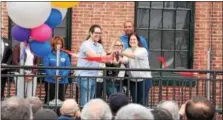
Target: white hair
(69,107)
(134,111)
(172,107)
(96,109)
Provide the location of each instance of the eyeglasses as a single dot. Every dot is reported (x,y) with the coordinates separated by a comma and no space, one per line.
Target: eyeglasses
(99,33)
(119,45)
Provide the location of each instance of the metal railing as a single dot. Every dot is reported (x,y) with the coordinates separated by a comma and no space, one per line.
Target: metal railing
(166,85)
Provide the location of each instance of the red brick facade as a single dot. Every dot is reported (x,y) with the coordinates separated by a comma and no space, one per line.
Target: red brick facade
(207,29)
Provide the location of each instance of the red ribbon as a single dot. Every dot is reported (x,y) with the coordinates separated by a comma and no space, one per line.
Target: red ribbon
(101,59)
(163,61)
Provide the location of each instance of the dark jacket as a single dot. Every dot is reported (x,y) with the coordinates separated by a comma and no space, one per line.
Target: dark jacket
(113,73)
(16,58)
(7,55)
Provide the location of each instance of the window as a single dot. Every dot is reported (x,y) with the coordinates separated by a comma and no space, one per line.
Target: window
(64,30)
(168,27)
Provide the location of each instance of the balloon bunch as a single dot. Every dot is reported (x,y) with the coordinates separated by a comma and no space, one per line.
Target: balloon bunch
(36,20)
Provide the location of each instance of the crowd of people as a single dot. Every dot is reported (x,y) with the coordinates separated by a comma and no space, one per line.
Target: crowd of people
(117,108)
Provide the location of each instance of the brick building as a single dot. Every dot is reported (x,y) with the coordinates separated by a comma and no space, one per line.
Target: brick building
(183,31)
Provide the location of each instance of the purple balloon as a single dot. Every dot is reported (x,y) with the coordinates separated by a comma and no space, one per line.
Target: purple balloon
(20,34)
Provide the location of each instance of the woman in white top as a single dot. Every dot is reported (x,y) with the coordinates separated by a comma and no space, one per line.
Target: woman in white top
(137,57)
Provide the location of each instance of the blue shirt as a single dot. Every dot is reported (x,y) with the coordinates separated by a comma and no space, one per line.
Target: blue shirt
(50,60)
(124,40)
(85,46)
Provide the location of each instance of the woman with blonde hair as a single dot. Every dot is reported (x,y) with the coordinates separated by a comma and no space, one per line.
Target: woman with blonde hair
(51,60)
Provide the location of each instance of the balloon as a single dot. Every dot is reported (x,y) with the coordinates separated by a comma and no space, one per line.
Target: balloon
(64,4)
(40,49)
(41,33)
(54,19)
(63,11)
(29,14)
(20,34)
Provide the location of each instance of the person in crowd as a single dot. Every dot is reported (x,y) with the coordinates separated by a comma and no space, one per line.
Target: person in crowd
(28,86)
(6,59)
(172,107)
(69,110)
(137,57)
(89,48)
(161,114)
(16,108)
(96,109)
(128,30)
(117,101)
(134,112)
(113,84)
(35,103)
(51,60)
(45,114)
(198,108)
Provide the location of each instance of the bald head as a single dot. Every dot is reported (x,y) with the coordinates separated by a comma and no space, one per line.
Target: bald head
(69,107)
(128,27)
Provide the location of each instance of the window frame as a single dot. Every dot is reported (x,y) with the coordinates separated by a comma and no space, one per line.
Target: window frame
(190,45)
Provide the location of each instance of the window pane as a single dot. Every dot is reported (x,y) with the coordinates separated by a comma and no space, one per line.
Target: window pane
(182,4)
(156,19)
(168,40)
(168,19)
(144,4)
(142,18)
(155,39)
(153,61)
(168,56)
(60,32)
(181,59)
(182,39)
(143,33)
(157,4)
(63,23)
(169,4)
(182,21)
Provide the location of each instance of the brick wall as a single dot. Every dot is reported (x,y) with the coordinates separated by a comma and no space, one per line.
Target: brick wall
(4,17)
(109,15)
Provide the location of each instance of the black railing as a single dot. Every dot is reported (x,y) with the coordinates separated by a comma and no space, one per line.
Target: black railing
(166,85)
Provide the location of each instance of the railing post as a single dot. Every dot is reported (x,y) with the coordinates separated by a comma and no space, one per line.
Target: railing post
(214,89)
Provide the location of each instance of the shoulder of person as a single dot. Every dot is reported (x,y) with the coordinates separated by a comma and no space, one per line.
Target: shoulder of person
(142,49)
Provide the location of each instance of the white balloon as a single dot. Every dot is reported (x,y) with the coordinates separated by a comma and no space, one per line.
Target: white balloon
(29,14)
(62,10)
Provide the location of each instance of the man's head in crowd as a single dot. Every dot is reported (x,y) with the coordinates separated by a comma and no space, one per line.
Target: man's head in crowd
(35,103)
(15,108)
(128,27)
(134,112)
(45,114)
(172,107)
(117,100)
(70,108)
(199,108)
(96,109)
(162,114)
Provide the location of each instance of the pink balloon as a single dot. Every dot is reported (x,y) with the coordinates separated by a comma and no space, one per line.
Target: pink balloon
(41,33)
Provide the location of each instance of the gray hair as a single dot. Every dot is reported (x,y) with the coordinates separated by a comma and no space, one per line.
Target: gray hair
(96,109)
(172,107)
(15,108)
(35,103)
(69,107)
(134,111)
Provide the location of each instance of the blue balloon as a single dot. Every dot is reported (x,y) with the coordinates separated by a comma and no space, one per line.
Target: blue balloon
(54,19)
(40,49)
